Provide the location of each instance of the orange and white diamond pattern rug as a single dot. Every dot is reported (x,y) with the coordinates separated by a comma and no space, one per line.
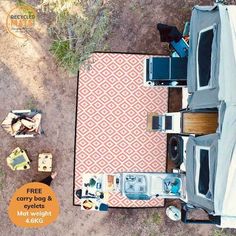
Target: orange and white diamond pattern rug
(111,134)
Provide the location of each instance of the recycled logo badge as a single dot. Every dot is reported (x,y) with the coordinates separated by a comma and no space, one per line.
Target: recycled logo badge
(21,20)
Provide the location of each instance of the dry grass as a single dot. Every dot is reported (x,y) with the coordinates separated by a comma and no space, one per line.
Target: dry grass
(1,179)
(31,103)
(77,36)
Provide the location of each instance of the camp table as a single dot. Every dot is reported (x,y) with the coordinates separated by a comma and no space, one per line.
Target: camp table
(45,162)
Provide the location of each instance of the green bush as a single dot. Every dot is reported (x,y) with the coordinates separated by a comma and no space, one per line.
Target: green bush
(66,57)
(221,232)
(78,34)
(156,218)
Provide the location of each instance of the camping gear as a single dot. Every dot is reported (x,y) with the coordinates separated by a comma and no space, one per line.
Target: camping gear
(45,162)
(168,122)
(169,71)
(186,29)
(95,191)
(187,122)
(175,149)
(173,213)
(18,160)
(181,47)
(150,116)
(165,71)
(87,204)
(145,186)
(92,182)
(172,35)
(172,185)
(169,33)
(23,123)
(103,207)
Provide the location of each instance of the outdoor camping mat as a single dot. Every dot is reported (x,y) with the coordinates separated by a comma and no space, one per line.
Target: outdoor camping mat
(111,132)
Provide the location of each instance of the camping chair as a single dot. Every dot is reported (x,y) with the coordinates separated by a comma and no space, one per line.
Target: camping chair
(23,123)
(18,160)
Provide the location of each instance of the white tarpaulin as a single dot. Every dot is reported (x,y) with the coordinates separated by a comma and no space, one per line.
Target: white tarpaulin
(227,70)
(225,168)
(225,182)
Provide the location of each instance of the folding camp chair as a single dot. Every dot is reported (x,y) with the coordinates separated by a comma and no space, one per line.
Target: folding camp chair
(23,123)
(18,160)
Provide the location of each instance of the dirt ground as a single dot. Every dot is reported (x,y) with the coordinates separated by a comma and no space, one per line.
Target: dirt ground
(30,78)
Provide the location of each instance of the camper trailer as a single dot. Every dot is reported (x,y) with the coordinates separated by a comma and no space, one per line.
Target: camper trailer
(204,142)
(210,153)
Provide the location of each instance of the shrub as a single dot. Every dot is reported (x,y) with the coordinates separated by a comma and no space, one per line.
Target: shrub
(79,29)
